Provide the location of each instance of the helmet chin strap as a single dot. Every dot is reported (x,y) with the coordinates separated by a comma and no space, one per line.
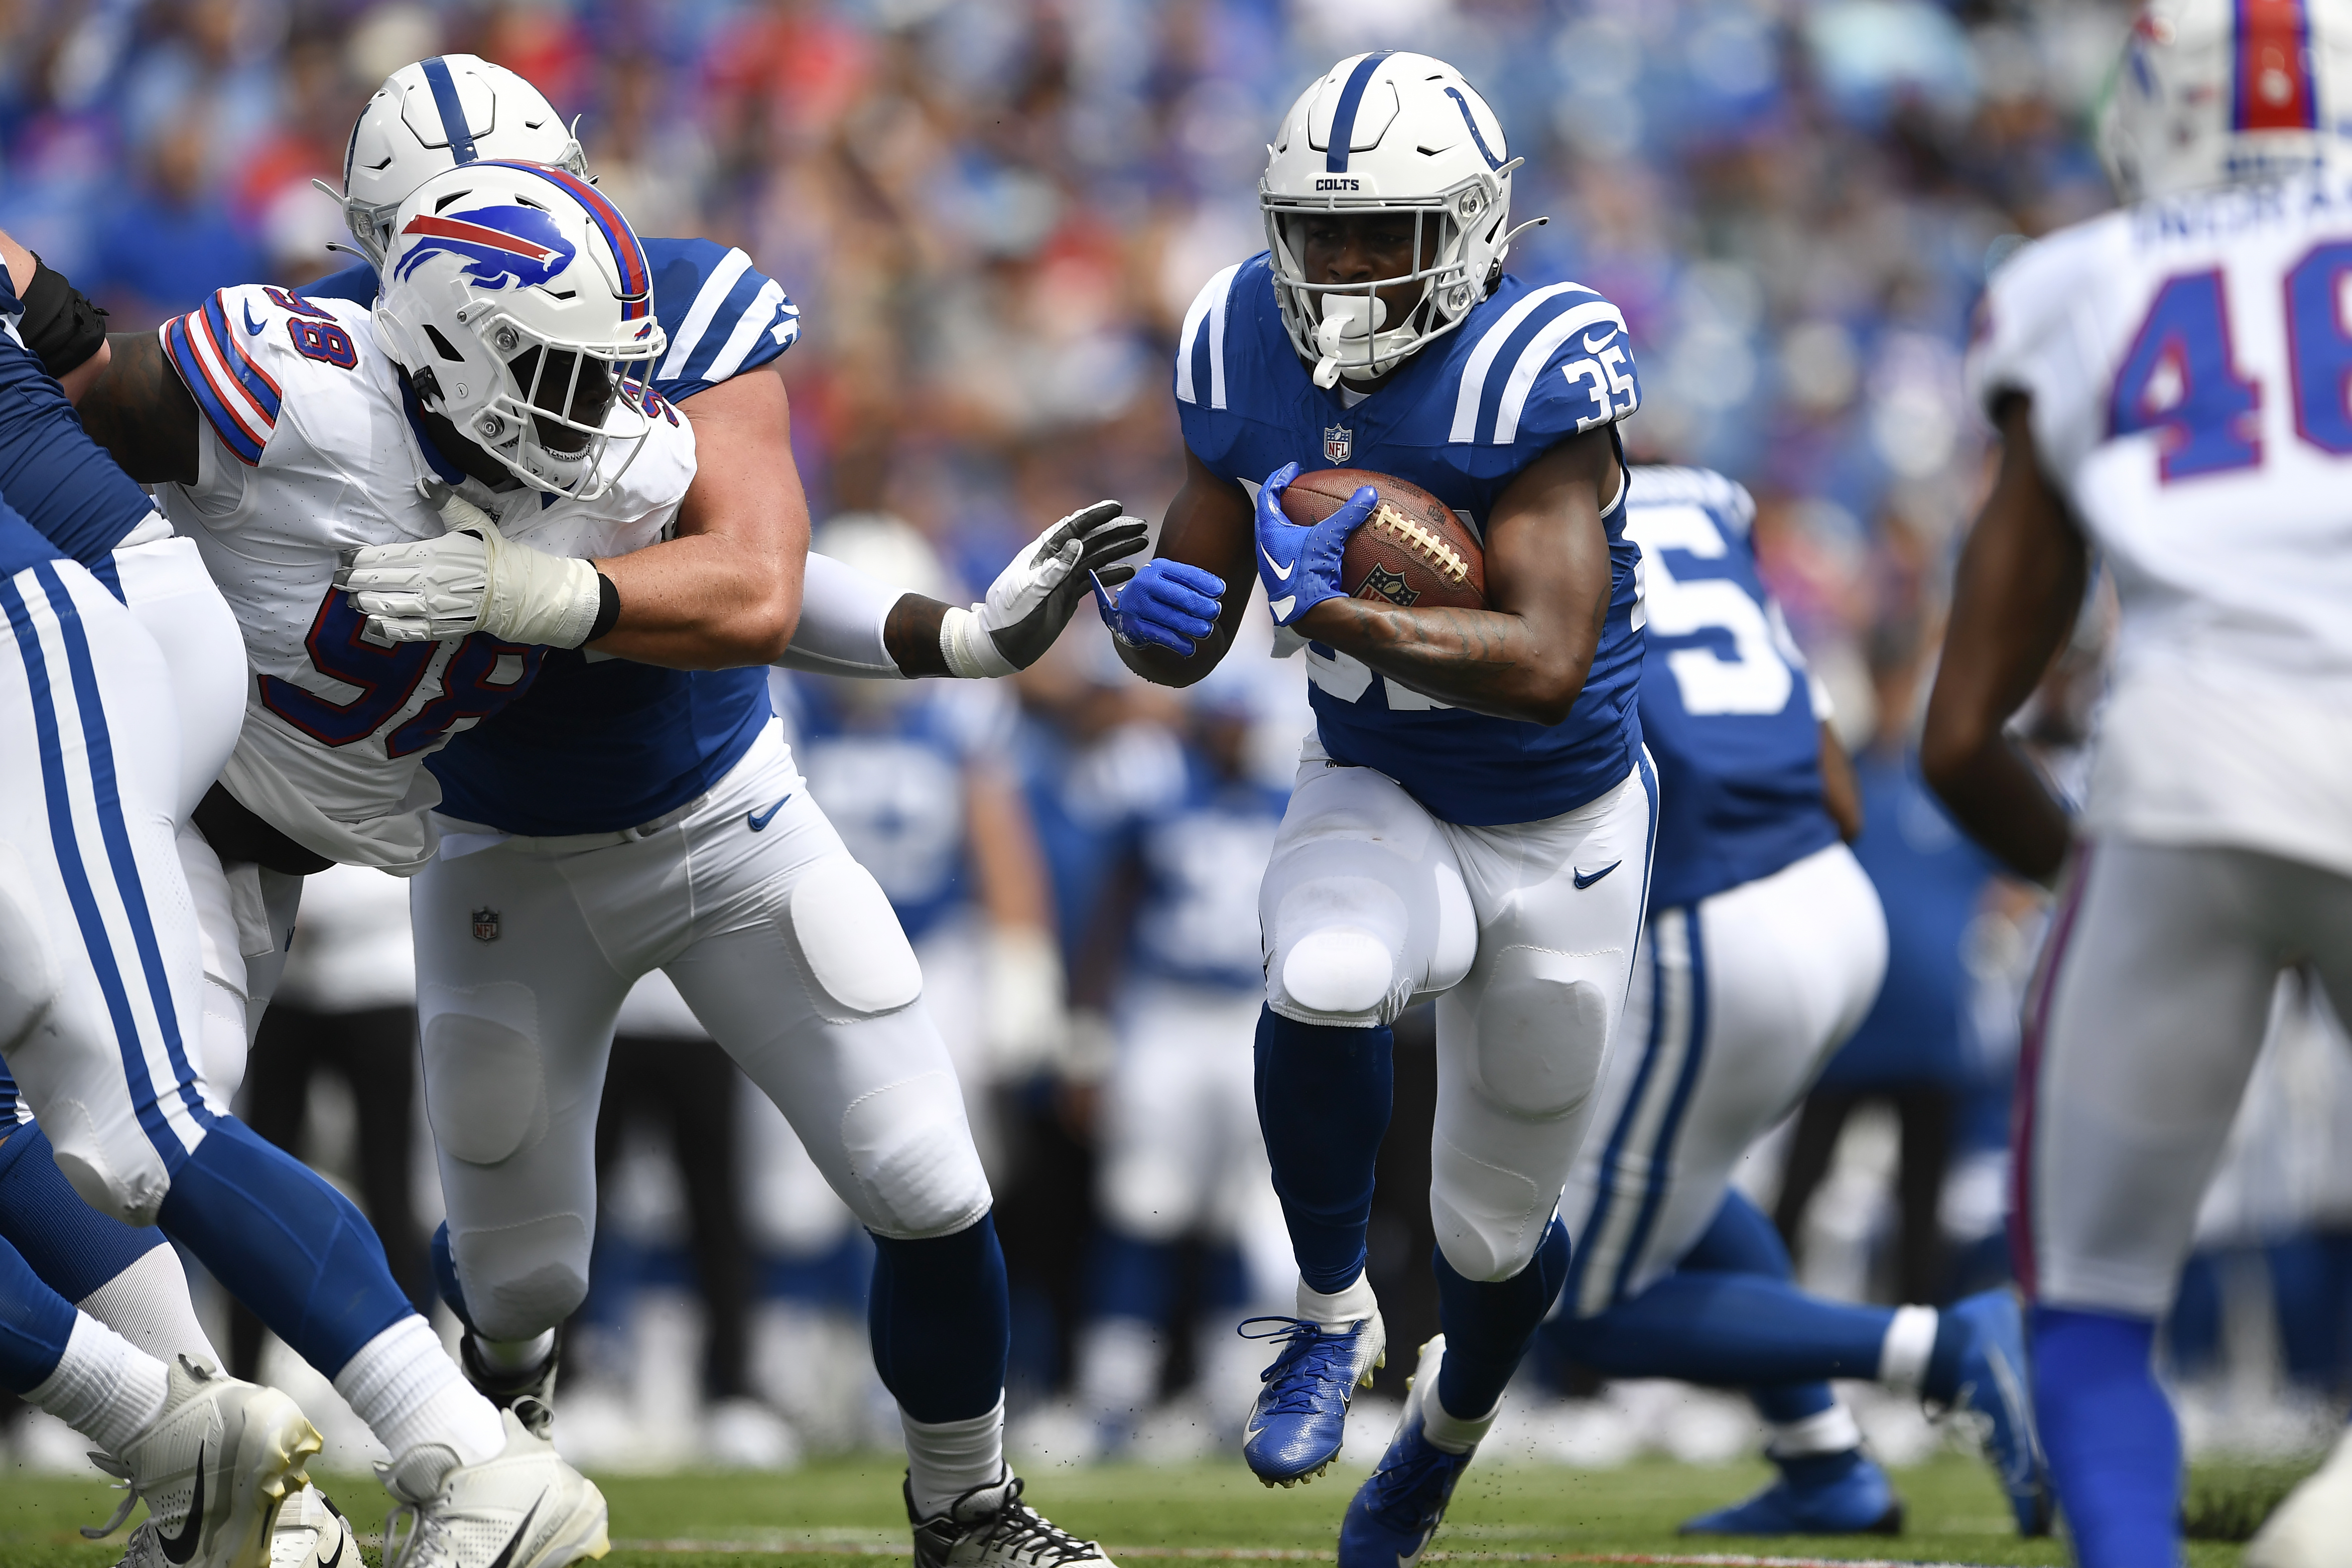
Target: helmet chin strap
(1346,319)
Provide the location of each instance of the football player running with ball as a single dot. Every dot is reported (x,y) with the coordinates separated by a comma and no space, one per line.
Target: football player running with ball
(1473,819)
(2169,381)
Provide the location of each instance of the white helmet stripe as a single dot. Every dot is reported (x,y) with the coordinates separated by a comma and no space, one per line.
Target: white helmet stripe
(1482,358)
(452,112)
(1533,358)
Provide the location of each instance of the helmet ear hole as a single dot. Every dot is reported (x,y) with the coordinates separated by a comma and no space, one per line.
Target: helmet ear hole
(442,346)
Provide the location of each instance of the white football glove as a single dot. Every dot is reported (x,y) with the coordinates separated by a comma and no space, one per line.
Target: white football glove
(1034,597)
(472,579)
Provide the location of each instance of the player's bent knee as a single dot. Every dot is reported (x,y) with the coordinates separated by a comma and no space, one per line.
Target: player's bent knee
(522,1280)
(910,1153)
(128,1185)
(1338,973)
(853,954)
(485,1084)
(1489,1220)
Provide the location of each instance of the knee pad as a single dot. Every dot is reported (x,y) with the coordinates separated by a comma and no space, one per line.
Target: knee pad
(125,1184)
(853,954)
(910,1149)
(1489,1220)
(1336,948)
(484,1085)
(522,1280)
(28,980)
(1339,972)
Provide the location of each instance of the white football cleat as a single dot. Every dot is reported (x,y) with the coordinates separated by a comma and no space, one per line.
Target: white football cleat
(524,1509)
(312,1532)
(990,1527)
(2311,1527)
(214,1469)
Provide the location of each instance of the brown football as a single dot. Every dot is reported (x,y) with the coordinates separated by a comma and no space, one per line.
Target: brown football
(1413,551)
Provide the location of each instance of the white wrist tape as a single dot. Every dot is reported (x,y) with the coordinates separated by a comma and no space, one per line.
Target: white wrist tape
(971,653)
(535,597)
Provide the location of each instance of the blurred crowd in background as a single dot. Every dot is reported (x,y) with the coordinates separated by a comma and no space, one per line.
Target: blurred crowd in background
(992,214)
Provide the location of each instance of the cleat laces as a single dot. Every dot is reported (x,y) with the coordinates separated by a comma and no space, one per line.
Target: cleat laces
(1401,1494)
(1313,1359)
(1019,1533)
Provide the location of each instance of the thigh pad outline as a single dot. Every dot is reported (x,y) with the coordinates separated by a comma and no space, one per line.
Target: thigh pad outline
(853,951)
(485,1082)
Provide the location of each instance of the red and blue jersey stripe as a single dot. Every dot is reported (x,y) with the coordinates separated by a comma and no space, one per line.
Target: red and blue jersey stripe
(239,397)
(2270,74)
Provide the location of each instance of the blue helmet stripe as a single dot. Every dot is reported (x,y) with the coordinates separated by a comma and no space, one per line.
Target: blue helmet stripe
(1343,119)
(1484,152)
(453,113)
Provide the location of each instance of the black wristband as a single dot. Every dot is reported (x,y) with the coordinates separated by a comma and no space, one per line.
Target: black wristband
(608,608)
(61,327)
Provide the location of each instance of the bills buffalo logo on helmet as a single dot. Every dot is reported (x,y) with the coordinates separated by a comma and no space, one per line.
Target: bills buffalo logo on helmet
(503,246)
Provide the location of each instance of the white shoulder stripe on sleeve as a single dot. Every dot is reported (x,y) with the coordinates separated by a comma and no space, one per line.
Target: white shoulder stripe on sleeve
(1212,298)
(1537,354)
(748,328)
(715,289)
(1482,358)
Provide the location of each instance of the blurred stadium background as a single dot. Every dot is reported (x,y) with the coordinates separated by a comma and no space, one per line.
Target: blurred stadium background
(992,214)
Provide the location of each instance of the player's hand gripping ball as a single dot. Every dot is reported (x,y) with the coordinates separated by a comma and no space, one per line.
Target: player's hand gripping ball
(1300,566)
(1411,551)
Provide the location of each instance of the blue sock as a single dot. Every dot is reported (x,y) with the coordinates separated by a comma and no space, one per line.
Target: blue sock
(2114,1450)
(69,1245)
(285,1243)
(35,1323)
(942,1321)
(1740,1241)
(1488,1325)
(1729,1329)
(1323,1096)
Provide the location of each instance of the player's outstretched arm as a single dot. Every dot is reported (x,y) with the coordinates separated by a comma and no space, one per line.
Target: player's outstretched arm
(2014,599)
(1547,582)
(726,591)
(1175,621)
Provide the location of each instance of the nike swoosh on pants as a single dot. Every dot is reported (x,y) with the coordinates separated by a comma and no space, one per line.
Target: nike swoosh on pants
(1586,880)
(759,819)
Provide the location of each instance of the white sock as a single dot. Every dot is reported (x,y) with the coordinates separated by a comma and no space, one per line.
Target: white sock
(148,1304)
(1341,1308)
(516,1355)
(946,1460)
(104,1387)
(1830,1431)
(410,1394)
(1450,1432)
(1903,1354)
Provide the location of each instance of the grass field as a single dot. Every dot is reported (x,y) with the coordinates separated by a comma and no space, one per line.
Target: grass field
(848,1512)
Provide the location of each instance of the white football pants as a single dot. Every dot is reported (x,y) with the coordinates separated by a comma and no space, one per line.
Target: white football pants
(784,946)
(1526,934)
(99,957)
(1736,1006)
(2141,1028)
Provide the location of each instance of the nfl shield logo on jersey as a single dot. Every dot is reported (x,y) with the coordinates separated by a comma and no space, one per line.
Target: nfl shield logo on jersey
(1339,443)
(486,925)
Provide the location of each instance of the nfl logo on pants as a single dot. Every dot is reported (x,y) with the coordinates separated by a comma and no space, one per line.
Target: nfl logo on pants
(486,925)
(1339,442)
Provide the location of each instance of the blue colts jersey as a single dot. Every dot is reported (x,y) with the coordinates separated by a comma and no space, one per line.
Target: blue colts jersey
(1727,705)
(63,487)
(1461,419)
(1203,852)
(598,745)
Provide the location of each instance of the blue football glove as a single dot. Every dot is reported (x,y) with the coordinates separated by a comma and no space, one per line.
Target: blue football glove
(1300,566)
(1168,604)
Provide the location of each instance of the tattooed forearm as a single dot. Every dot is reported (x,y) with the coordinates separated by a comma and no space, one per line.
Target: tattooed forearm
(1485,660)
(139,411)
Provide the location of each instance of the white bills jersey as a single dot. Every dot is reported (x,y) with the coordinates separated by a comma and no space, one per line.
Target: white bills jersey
(2189,361)
(314,448)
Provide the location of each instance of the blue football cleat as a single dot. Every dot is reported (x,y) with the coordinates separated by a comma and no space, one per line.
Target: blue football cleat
(1301,1414)
(1402,1503)
(1827,1494)
(1992,1384)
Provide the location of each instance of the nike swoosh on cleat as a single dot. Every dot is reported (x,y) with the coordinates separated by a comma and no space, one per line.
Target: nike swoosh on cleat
(252,327)
(759,819)
(1281,573)
(505,1553)
(342,1536)
(1586,879)
(182,1547)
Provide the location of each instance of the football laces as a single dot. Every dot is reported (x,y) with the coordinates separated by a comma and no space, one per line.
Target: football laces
(1423,541)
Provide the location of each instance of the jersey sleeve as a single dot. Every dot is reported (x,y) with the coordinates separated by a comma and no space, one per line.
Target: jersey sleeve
(228,352)
(721,315)
(2019,340)
(1207,369)
(1557,363)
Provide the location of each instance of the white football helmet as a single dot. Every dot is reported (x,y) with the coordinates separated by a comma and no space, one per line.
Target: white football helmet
(2215,92)
(435,115)
(1387,131)
(519,301)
